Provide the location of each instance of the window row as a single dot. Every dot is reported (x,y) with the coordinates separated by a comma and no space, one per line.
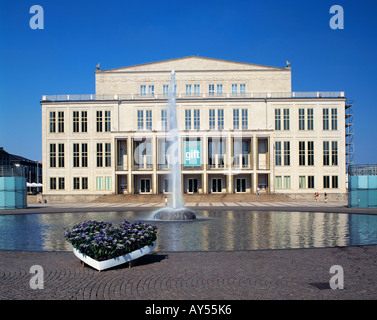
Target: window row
(306,119)
(306,153)
(306,182)
(80,183)
(194,89)
(80,155)
(80,121)
(193,118)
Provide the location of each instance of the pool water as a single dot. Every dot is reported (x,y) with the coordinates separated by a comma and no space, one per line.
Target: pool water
(211,231)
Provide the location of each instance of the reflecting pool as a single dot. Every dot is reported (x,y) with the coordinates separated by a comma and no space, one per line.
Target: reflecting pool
(211,231)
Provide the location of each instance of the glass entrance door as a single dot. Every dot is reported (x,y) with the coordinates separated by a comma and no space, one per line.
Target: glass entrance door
(241,185)
(145,185)
(192,185)
(216,185)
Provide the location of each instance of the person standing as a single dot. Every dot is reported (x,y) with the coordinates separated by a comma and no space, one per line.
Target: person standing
(325,197)
(166,200)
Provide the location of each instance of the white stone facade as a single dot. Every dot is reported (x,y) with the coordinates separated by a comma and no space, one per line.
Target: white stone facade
(254,133)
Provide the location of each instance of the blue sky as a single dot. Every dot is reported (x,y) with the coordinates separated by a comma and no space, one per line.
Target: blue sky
(61,58)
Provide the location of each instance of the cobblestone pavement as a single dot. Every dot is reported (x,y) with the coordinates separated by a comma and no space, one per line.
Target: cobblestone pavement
(269,274)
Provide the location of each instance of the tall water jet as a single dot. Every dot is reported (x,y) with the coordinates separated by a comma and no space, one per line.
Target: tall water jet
(176,211)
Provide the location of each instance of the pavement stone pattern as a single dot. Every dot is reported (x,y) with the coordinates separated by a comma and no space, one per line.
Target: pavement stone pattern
(195,204)
(229,275)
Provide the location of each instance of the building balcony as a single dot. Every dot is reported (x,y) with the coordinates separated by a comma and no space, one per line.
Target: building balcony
(250,95)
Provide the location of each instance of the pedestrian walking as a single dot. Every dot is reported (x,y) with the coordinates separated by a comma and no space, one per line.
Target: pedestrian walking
(166,200)
(325,197)
(258,193)
(316,196)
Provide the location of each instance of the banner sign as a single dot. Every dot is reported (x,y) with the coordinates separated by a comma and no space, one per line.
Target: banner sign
(192,153)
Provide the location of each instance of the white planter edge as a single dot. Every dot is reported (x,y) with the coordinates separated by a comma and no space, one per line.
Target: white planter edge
(106,264)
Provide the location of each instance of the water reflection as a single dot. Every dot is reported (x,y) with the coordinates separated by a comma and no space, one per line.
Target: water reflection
(212,231)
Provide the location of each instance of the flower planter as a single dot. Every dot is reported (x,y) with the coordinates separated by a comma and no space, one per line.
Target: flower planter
(106,264)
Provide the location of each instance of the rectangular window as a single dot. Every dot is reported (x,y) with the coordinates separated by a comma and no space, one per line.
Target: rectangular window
(242,89)
(334,153)
(278,153)
(99,183)
(53,183)
(52,155)
(287,153)
(234,89)
(334,119)
(143,90)
(278,182)
(277,119)
(245,154)
(310,182)
(301,119)
(99,121)
(84,121)
(61,155)
(310,153)
(107,183)
(84,183)
(244,119)
(325,116)
(220,119)
(211,89)
(212,119)
(334,182)
(286,119)
(151,90)
(61,183)
(76,121)
(165,90)
(287,182)
(196,89)
(187,119)
(52,121)
(99,155)
(310,119)
(140,120)
(302,182)
(236,119)
(326,153)
(84,155)
(148,120)
(301,151)
(61,121)
(188,89)
(107,121)
(164,120)
(219,89)
(196,119)
(107,154)
(76,183)
(76,155)
(326,182)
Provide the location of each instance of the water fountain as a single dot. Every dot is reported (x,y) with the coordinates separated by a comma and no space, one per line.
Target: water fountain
(176,211)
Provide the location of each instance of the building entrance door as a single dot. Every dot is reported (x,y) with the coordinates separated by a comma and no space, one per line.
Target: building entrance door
(192,185)
(216,185)
(241,185)
(145,185)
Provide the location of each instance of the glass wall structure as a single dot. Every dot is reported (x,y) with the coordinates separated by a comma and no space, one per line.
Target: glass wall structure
(362,186)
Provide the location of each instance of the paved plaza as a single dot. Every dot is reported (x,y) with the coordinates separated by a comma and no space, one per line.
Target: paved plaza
(239,275)
(230,275)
